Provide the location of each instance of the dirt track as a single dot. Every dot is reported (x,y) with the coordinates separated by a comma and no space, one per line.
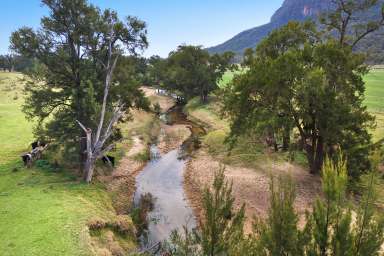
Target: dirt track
(165,102)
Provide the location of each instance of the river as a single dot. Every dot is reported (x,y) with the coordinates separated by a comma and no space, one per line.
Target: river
(163,178)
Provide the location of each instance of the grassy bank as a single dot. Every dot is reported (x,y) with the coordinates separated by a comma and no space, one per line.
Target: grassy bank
(43,210)
(249,151)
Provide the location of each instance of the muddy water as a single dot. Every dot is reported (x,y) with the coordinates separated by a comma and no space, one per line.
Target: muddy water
(163,178)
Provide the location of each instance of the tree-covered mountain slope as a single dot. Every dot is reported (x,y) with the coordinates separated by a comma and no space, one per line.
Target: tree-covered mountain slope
(299,10)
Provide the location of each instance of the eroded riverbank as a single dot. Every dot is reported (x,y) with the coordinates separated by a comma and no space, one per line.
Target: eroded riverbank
(163,178)
(250,177)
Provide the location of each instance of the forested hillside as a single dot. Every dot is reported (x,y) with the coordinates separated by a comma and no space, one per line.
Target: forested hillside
(301,10)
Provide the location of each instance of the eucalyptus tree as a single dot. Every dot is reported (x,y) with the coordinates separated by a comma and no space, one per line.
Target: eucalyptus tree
(78,46)
(7,62)
(192,71)
(311,80)
(156,70)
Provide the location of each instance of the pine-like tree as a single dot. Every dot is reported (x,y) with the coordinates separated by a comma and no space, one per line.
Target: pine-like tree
(221,222)
(279,233)
(334,227)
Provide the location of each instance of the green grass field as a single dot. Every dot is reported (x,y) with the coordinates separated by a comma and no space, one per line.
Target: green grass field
(228,76)
(374,99)
(42,212)
(375,90)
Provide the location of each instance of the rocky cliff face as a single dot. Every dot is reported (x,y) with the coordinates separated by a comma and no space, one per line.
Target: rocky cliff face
(298,10)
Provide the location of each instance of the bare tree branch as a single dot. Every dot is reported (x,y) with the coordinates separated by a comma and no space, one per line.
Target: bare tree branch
(108,80)
(82,126)
(104,151)
(108,132)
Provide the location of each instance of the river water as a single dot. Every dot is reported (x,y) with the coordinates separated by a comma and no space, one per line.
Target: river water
(163,178)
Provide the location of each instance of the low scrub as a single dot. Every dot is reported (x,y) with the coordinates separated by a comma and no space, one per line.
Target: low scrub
(113,237)
(121,224)
(334,226)
(142,156)
(140,212)
(246,152)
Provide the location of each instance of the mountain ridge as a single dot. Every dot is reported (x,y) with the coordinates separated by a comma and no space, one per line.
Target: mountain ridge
(297,10)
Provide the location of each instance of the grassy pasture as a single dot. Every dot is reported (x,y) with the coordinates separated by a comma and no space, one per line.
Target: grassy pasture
(43,211)
(228,76)
(374,99)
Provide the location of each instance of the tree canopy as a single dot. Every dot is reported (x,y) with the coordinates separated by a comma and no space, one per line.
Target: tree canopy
(310,80)
(192,71)
(72,47)
(12,62)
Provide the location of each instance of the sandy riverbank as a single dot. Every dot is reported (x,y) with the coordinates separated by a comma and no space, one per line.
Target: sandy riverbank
(250,186)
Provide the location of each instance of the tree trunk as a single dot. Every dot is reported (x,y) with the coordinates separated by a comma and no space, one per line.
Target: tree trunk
(274,142)
(275,146)
(319,157)
(82,152)
(286,138)
(89,162)
(80,117)
(315,155)
(203,97)
(88,170)
(310,158)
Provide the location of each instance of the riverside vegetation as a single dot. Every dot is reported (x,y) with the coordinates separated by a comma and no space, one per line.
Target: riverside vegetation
(41,204)
(334,226)
(284,103)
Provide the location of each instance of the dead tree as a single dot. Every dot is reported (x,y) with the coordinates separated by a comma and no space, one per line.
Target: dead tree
(110,38)
(96,148)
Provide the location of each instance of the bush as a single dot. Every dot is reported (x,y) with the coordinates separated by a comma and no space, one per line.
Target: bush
(96,224)
(215,142)
(329,228)
(46,165)
(140,212)
(157,108)
(123,225)
(222,229)
(142,156)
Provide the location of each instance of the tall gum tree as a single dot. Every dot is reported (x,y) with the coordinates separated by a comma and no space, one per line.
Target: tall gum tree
(77,47)
(193,72)
(312,79)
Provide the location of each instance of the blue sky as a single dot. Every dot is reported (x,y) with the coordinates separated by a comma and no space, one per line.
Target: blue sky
(170,22)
